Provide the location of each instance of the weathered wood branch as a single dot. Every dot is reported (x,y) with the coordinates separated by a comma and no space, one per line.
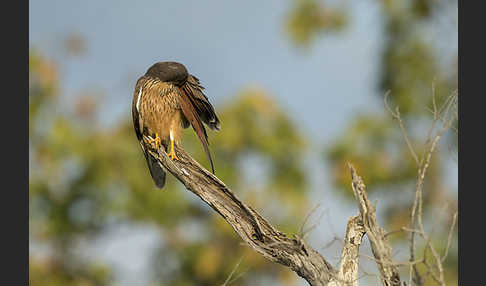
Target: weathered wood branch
(274,245)
(247,223)
(348,265)
(379,244)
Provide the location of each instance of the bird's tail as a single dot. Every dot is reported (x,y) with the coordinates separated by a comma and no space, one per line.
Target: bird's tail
(156,171)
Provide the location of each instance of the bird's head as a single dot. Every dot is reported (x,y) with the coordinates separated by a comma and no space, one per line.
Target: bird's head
(172,72)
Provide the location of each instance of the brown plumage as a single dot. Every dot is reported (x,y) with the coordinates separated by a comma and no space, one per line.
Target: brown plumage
(166,99)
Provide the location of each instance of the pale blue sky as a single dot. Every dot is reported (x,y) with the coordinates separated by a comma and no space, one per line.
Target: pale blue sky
(228,45)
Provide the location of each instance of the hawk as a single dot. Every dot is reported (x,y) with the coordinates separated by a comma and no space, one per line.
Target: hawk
(166,100)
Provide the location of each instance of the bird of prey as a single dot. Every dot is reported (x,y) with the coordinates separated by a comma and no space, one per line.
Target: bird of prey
(166,100)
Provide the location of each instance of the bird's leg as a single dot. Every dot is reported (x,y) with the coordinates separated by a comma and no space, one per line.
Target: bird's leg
(172,153)
(157,141)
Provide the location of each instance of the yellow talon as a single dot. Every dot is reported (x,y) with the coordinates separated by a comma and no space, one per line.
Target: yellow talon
(172,154)
(157,141)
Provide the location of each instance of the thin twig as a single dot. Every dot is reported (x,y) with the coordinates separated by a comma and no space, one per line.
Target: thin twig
(416,212)
(396,115)
(449,239)
(233,271)
(302,232)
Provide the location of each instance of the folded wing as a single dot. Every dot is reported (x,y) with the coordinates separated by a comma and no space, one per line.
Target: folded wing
(201,103)
(197,109)
(158,174)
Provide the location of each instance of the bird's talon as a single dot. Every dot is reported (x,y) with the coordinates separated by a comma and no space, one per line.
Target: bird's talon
(155,141)
(172,155)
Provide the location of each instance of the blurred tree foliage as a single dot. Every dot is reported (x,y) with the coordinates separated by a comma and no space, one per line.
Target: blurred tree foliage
(84,179)
(309,18)
(416,71)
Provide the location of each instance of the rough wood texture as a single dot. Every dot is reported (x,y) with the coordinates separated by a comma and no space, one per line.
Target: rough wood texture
(348,265)
(379,244)
(247,223)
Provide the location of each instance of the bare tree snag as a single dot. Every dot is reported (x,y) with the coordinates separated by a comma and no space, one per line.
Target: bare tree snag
(379,244)
(348,265)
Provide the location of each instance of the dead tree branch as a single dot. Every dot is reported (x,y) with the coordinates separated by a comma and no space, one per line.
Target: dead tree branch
(445,114)
(255,231)
(379,244)
(348,266)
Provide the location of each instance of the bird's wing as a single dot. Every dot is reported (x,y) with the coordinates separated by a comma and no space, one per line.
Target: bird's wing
(201,103)
(191,105)
(156,171)
(136,116)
